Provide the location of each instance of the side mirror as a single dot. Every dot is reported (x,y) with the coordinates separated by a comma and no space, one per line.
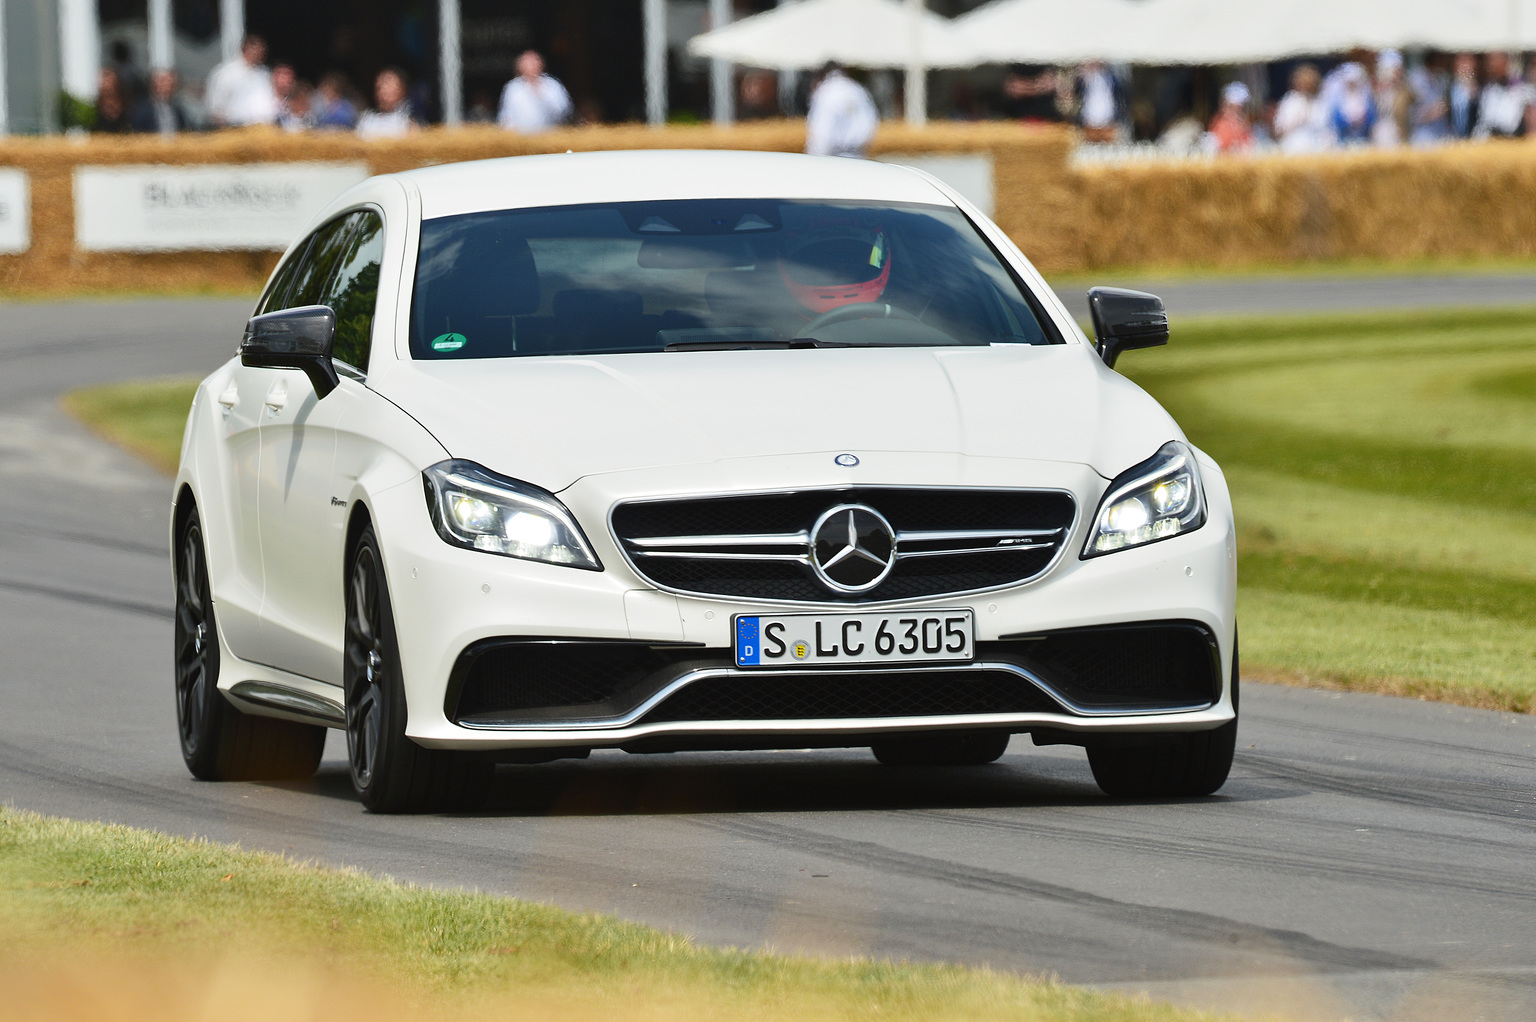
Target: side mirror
(1123,320)
(294,339)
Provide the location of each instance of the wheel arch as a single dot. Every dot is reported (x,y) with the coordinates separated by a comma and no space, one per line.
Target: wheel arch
(359,518)
(182,506)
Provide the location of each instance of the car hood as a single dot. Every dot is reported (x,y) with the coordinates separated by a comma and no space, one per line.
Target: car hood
(553,420)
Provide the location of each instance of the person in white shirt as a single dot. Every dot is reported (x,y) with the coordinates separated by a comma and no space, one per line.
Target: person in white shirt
(533,101)
(240,90)
(1301,119)
(842,118)
(1505,102)
(391,117)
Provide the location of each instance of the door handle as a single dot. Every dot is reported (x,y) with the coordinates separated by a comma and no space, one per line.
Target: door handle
(230,397)
(277,397)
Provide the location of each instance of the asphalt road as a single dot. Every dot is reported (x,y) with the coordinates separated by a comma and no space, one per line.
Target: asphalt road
(1370,857)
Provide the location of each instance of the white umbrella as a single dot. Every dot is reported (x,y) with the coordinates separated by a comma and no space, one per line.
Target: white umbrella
(858,33)
(1237,31)
(1050,31)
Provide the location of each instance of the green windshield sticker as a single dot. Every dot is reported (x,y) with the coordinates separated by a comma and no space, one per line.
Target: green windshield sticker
(448,342)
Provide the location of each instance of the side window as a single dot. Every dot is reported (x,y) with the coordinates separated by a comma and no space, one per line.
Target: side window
(276,295)
(354,290)
(319,261)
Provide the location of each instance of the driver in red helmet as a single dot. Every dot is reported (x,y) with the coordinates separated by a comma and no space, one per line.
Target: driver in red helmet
(829,267)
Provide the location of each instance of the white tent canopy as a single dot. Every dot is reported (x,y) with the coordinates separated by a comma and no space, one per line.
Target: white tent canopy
(1236,31)
(858,33)
(1047,31)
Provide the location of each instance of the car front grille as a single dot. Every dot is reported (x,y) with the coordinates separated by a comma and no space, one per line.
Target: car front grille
(758,547)
(1143,667)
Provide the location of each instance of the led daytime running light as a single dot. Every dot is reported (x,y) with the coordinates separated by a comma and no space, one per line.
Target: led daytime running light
(473,507)
(1158,499)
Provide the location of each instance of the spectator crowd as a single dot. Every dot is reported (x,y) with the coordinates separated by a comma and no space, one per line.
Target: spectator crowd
(1369,99)
(244,91)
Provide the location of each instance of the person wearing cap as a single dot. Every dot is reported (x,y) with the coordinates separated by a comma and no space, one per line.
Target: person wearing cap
(1354,112)
(1231,131)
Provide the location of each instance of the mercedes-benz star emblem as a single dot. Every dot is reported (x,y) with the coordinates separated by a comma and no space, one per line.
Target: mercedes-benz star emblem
(853,548)
(847,460)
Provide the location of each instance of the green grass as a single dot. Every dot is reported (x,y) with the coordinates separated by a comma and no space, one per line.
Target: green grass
(1331,269)
(145,416)
(1383,470)
(193,929)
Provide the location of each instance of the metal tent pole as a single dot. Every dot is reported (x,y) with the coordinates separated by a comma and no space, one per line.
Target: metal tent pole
(917,71)
(450,58)
(231,28)
(722,91)
(789,83)
(655,13)
(162,35)
(79,47)
(5,109)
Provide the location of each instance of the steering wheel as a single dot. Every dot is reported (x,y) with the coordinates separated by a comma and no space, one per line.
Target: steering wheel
(858,310)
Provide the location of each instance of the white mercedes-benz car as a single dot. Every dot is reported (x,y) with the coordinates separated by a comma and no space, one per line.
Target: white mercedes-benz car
(661,451)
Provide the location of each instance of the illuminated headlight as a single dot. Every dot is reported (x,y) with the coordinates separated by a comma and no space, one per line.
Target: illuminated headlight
(1158,499)
(475,508)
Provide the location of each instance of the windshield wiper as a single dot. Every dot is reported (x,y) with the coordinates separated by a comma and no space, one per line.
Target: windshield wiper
(744,344)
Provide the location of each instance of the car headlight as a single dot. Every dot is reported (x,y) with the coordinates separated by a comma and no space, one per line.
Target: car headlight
(1158,499)
(475,508)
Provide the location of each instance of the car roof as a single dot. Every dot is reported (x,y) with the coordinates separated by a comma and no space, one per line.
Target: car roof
(644,175)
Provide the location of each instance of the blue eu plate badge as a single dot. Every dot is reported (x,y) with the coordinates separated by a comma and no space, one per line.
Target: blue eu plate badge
(748,651)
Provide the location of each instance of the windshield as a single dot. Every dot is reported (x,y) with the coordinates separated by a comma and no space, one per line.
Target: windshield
(711,274)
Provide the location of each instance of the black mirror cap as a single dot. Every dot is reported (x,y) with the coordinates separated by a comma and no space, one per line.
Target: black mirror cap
(1123,320)
(294,339)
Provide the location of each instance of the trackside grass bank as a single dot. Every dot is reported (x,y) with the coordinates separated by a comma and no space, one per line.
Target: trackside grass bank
(1384,472)
(1383,469)
(106,923)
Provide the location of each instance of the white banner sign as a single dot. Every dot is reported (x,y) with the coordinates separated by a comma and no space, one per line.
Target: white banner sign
(259,206)
(15,212)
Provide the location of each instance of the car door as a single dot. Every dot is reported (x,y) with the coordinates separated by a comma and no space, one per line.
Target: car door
(241,400)
(303,506)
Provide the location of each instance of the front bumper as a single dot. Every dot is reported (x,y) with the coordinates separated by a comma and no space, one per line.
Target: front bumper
(449,601)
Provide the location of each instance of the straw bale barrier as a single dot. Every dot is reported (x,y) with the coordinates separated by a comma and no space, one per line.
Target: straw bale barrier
(1459,202)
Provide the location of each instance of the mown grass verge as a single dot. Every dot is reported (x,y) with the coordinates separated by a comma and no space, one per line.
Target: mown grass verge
(1383,469)
(146,417)
(108,922)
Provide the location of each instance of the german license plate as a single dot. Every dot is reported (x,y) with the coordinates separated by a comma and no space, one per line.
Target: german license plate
(825,640)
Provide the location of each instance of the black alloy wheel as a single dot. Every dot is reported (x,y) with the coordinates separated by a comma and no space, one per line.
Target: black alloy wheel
(391,773)
(1190,764)
(218,742)
(942,749)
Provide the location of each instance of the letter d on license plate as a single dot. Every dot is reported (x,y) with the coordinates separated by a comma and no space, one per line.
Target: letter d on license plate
(825,640)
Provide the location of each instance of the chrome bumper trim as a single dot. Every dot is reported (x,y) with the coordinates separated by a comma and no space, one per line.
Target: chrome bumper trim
(821,723)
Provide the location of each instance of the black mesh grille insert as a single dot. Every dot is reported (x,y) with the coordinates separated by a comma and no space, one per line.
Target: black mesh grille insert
(841,696)
(554,680)
(907,510)
(1122,666)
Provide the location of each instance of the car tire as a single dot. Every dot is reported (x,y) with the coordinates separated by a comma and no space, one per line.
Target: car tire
(218,741)
(391,773)
(1194,763)
(942,749)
